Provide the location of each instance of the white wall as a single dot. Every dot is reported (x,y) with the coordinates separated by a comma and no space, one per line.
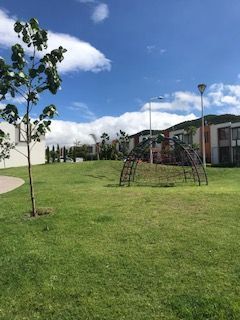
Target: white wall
(17,159)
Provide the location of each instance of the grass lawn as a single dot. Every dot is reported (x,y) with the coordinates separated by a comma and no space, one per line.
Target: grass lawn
(119,253)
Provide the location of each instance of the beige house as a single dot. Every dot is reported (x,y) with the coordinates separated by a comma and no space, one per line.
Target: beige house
(18,154)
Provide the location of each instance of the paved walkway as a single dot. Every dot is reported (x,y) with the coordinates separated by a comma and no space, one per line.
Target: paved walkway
(9,183)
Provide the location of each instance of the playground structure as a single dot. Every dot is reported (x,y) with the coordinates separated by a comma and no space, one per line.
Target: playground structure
(174,162)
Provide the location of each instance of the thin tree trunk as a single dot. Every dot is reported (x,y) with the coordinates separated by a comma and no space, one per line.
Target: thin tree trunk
(34,211)
(29,133)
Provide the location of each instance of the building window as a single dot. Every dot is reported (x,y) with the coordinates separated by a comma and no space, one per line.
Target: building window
(236,155)
(179,136)
(188,139)
(236,133)
(89,149)
(223,133)
(224,155)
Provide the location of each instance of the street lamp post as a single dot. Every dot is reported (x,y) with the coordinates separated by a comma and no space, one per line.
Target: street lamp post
(201,88)
(150,126)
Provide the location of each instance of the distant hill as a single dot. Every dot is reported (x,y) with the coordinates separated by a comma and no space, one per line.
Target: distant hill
(209,119)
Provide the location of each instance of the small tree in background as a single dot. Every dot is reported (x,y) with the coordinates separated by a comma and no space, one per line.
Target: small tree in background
(58,153)
(74,153)
(5,146)
(48,154)
(123,140)
(53,154)
(28,76)
(64,154)
(104,146)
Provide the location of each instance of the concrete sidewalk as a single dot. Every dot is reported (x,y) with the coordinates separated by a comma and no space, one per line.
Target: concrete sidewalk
(9,183)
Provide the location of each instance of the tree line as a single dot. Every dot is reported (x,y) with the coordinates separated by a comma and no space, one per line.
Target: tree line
(105,149)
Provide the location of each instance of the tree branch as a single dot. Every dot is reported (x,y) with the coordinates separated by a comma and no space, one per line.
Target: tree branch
(20,152)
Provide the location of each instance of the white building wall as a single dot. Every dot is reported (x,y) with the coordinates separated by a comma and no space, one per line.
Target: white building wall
(196,137)
(17,158)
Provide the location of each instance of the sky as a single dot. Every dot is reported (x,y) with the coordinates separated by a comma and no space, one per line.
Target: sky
(122,53)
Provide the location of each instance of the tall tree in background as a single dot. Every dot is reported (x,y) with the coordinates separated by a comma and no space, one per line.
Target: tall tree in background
(105,147)
(123,140)
(64,154)
(28,76)
(48,154)
(53,154)
(58,153)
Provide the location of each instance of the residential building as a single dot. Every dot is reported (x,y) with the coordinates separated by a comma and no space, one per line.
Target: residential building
(18,154)
(221,132)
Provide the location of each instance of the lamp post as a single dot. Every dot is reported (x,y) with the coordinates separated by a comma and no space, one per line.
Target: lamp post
(150,126)
(201,88)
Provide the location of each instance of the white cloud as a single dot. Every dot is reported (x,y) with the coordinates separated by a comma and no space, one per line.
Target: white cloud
(83,110)
(100,13)
(153,48)
(162,51)
(221,97)
(178,101)
(66,132)
(81,55)
(226,97)
(13,100)
(150,48)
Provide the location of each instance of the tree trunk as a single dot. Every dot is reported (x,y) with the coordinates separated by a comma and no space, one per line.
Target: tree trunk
(29,134)
(34,211)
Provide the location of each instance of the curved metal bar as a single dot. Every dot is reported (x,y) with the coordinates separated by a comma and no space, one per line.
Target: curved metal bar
(185,152)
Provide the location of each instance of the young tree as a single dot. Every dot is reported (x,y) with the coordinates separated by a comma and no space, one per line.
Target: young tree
(28,76)
(123,140)
(105,146)
(5,146)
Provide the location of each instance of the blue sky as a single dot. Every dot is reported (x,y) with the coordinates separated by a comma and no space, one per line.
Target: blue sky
(123,52)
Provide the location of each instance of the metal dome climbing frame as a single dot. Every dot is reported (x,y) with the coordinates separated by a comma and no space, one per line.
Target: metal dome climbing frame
(173,162)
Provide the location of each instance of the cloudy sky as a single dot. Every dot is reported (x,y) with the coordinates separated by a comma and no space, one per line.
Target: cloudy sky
(121,53)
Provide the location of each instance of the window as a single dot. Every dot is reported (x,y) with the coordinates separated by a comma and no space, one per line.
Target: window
(224,155)
(179,136)
(89,149)
(236,133)
(188,139)
(236,155)
(223,134)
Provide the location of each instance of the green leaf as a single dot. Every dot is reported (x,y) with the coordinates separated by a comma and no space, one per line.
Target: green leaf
(21,75)
(18,26)
(32,73)
(34,23)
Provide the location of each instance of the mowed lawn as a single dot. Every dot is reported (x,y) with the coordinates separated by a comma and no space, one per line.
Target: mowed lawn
(119,253)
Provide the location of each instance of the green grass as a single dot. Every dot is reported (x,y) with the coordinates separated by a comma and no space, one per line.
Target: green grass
(119,253)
